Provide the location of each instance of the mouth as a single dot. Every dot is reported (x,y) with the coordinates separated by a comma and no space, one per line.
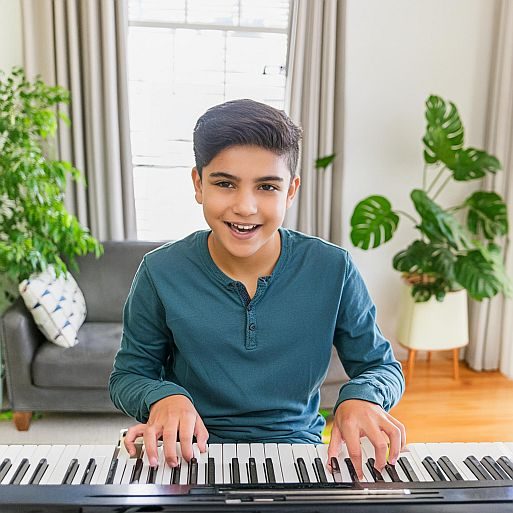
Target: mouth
(242,228)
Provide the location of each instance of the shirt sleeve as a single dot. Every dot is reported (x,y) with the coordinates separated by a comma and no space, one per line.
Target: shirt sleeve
(136,381)
(367,357)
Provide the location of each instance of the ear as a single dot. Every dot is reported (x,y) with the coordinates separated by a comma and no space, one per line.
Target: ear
(198,185)
(293,188)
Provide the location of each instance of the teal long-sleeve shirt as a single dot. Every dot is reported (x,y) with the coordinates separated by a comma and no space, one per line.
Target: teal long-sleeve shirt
(252,367)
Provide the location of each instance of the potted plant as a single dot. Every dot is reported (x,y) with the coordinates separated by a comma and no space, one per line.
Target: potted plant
(458,247)
(35,228)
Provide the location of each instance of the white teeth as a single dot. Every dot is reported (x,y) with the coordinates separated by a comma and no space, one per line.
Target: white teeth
(243,228)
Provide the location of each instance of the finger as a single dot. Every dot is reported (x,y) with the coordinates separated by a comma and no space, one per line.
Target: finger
(352,438)
(401,427)
(201,434)
(186,428)
(151,436)
(132,434)
(169,440)
(377,439)
(394,435)
(334,445)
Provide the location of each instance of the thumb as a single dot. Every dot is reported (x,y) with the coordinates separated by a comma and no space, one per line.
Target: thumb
(201,434)
(335,444)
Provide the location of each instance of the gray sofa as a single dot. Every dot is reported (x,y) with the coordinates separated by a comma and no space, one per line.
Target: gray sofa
(44,377)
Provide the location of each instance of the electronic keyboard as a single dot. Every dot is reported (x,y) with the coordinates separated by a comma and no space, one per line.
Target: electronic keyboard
(439,477)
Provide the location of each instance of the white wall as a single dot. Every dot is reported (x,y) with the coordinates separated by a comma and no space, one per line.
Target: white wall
(399,52)
(11,50)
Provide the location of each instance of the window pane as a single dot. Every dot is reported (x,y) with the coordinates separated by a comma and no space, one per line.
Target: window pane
(157,10)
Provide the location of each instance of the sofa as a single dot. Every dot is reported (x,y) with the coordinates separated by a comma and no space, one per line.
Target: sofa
(42,376)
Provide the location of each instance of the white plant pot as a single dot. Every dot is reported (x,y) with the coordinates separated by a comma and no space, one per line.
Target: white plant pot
(433,325)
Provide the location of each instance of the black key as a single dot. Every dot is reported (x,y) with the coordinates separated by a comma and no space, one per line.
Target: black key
(4,468)
(434,470)
(89,471)
(269,470)
(319,470)
(493,468)
(211,471)
(234,471)
(70,472)
(335,467)
(193,471)
(477,469)
(450,470)
(112,471)
(136,471)
(392,472)
(39,472)
(303,471)
(408,469)
(175,478)
(152,475)
(507,465)
(20,472)
(352,470)
(252,471)
(376,474)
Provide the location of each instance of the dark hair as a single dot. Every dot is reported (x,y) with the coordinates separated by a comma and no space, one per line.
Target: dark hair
(245,122)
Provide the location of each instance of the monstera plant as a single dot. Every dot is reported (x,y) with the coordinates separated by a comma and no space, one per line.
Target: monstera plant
(457,246)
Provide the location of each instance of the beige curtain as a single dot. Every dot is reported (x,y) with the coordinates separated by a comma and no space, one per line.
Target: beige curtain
(81,45)
(491,321)
(314,99)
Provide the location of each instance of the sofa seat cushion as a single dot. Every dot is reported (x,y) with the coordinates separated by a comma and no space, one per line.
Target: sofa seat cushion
(85,365)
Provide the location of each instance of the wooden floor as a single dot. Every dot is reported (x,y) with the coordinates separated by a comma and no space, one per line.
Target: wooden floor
(436,408)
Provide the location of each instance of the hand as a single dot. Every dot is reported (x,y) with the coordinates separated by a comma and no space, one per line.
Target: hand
(355,418)
(172,416)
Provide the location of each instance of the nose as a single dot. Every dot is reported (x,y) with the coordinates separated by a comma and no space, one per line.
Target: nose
(244,203)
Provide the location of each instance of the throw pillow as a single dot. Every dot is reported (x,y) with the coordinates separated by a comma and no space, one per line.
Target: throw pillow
(56,304)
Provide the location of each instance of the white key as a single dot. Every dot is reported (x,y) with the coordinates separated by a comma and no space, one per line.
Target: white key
(368,451)
(271,451)
(167,473)
(10,453)
(257,452)
(69,453)
(322,453)
(105,454)
(202,462)
(456,452)
(216,451)
(40,453)
(53,457)
(287,463)
(229,452)
(400,472)
(419,452)
(301,451)
(3,448)
(184,465)
(129,467)
(162,464)
(509,447)
(25,451)
(83,455)
(341,457)
(143,478)
(120,468)
(243,454)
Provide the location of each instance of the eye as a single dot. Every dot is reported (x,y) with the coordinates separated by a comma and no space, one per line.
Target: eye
(224,185)
(268,187)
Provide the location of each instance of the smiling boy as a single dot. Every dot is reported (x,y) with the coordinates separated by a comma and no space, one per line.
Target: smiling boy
(227,334)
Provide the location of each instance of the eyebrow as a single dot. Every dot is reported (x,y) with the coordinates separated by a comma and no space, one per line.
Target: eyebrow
(268,178)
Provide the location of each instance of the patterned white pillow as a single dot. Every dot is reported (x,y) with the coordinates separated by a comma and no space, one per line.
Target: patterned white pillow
(57,305)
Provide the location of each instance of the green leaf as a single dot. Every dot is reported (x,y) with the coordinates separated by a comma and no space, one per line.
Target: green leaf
(373,222)
(472,164)
(324,162)
(444,132)
(487,214)
(437,224)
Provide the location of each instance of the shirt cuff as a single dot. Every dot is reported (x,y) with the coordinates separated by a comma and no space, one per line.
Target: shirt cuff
(164,390)
(363,391)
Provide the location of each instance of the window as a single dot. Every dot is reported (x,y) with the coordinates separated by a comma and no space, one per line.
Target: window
(184,57)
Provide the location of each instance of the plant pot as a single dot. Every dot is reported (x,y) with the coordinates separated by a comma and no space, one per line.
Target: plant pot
(433,325)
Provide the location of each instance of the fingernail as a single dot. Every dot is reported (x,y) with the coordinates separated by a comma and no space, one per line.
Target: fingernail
(393,461)
(153,462)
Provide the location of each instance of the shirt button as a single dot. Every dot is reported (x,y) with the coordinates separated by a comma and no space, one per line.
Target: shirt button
(252,327)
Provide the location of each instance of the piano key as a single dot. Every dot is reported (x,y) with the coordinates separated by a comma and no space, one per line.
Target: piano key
(479,471)
(211,471)
(14,453)
(336,469)
(302,451)
(348,471)
(449,468)
(258,453)
(193,471)
(83,456)
(493,468)
(350,467)
(392,472)
(39,472)
(243,454)
(20,472)
(127,473)
(252,470)
(184,466)
(71,472)
(40,452)
(375,473)
(456,452)
(417,454)
(229,453)
(53,457)
(319,468)
(322,452)
(202,459)
(235,471)
(89,471)
(400,472)
(406,465)
(175,473)
(215,451)
(269,471)
(5,466)
(287,463)
(434,470)
(136,471)
(61,466)
(507,465)
(120,468)
(271,451)
(303,471)
(368,451)
(103,455)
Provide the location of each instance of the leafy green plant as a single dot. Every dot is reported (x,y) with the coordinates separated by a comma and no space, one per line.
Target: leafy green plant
(449,254)
(35,228)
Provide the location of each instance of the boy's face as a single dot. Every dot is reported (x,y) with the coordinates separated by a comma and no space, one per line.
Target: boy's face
(245,192)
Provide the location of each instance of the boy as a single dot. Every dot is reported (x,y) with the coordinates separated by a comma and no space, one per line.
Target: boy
(228,333)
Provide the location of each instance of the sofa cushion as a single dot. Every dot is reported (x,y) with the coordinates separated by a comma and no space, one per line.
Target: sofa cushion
(56,304)
(86,365)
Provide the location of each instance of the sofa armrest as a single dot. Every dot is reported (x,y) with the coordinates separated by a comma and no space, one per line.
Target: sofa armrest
(20,338)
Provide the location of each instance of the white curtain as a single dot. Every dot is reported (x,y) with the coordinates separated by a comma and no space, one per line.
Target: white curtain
(314,99)
(81,45)
(491,321)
